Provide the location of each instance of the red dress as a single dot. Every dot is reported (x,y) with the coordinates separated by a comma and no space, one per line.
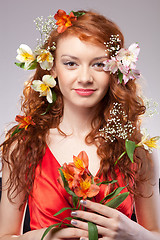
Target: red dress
(49,197)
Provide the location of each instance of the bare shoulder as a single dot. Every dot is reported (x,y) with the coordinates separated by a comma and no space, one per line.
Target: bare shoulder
(10,215)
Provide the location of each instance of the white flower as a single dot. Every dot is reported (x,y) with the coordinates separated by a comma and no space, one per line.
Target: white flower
(113,65)
(129,56)
(25,55)
(44,86)
(45,59)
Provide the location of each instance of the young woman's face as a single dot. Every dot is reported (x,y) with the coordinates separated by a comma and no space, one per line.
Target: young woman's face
(79,68)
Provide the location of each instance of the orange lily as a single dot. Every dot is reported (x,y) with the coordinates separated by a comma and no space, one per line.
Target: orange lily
(86,188)
(69,174)
(24,121)
(63,20)
(81,162)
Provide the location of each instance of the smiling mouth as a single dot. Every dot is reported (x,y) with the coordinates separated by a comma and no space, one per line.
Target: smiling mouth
(84,92)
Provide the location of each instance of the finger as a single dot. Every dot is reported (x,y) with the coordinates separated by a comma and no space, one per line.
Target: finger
(99,220)
(101,230)
(99,208)
(68,233)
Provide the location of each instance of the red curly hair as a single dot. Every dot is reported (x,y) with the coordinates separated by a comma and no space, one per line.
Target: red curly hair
(29,146)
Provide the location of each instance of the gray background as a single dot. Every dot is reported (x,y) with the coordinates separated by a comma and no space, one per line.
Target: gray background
(139,21)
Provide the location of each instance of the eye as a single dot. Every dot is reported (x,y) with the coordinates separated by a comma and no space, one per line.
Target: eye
(99,65)
(70,64)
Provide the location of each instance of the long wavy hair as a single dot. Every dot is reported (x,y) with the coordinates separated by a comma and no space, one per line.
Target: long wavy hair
(24,151)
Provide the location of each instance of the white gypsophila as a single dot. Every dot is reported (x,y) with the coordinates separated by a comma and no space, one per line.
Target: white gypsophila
(115,128)
(44,26)
(151,107)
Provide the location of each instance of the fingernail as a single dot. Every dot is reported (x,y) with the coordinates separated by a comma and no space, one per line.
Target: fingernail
(73,222)
(83,202)
(74,214)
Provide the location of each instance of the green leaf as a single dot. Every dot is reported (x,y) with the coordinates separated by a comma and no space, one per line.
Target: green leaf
(92,231)
(21,65)
(106,182)
(32,65)
(54,98)
(78,14)
(115,202)
(113,194)
(130,147)
(120,76)
(49,228)
(63,209)
(17,130)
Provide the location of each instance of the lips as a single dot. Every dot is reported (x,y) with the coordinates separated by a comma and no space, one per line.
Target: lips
(84,92)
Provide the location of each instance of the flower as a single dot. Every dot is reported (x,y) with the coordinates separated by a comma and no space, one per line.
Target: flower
(113,65)
(25,55)
(63,20)
(69,174)
(45,59)
(44,86)
(81,162)
(24,121)
(148,143)
(132,74)
(129,56)
(124,63)
(86,188)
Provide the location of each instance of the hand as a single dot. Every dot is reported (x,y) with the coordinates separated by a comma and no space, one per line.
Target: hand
(111,223)
(66,233)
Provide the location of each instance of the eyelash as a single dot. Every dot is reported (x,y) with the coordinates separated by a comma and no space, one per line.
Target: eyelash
(71,64)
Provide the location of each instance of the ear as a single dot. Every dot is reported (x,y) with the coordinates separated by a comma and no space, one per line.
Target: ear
(53,72)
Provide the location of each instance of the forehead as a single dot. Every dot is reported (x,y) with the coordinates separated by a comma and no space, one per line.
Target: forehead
(72,45)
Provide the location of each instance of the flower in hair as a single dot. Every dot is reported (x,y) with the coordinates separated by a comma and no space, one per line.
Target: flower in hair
(25,56)
(24,121)
(124,63)
(147,142)
(45,59)
(44,87)
(63,20)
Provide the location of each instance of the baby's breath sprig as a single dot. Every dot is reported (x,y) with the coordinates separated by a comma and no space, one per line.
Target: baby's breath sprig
(113,45)
(151,107)
(44,26)
(115,126)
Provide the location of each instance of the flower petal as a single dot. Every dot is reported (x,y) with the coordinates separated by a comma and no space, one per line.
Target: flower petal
(49,80)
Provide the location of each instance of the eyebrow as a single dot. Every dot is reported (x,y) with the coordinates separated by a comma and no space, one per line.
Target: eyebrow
(94,59)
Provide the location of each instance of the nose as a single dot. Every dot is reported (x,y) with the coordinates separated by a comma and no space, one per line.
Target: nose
(85,75)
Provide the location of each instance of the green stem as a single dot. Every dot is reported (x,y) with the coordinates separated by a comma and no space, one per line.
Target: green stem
(120,157)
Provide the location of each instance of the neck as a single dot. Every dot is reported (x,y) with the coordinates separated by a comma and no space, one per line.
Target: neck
(76,120)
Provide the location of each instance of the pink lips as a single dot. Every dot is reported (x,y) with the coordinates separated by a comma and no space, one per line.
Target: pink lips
(84,92)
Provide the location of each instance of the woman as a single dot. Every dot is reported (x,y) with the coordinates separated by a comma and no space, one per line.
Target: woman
(90,85)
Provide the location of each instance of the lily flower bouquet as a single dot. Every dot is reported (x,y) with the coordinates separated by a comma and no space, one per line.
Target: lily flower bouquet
(80,184)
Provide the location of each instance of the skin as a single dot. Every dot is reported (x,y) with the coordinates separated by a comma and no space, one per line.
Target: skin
(82,71)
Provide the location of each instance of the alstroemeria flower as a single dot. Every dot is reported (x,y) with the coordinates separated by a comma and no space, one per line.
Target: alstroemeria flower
(44,86)
(63,20)
(69,174)
(81,162)
(132,74)
(24,121)
(45,59)
(129,56)
(25,55)
(86,188)
(112,65)
(147,142)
